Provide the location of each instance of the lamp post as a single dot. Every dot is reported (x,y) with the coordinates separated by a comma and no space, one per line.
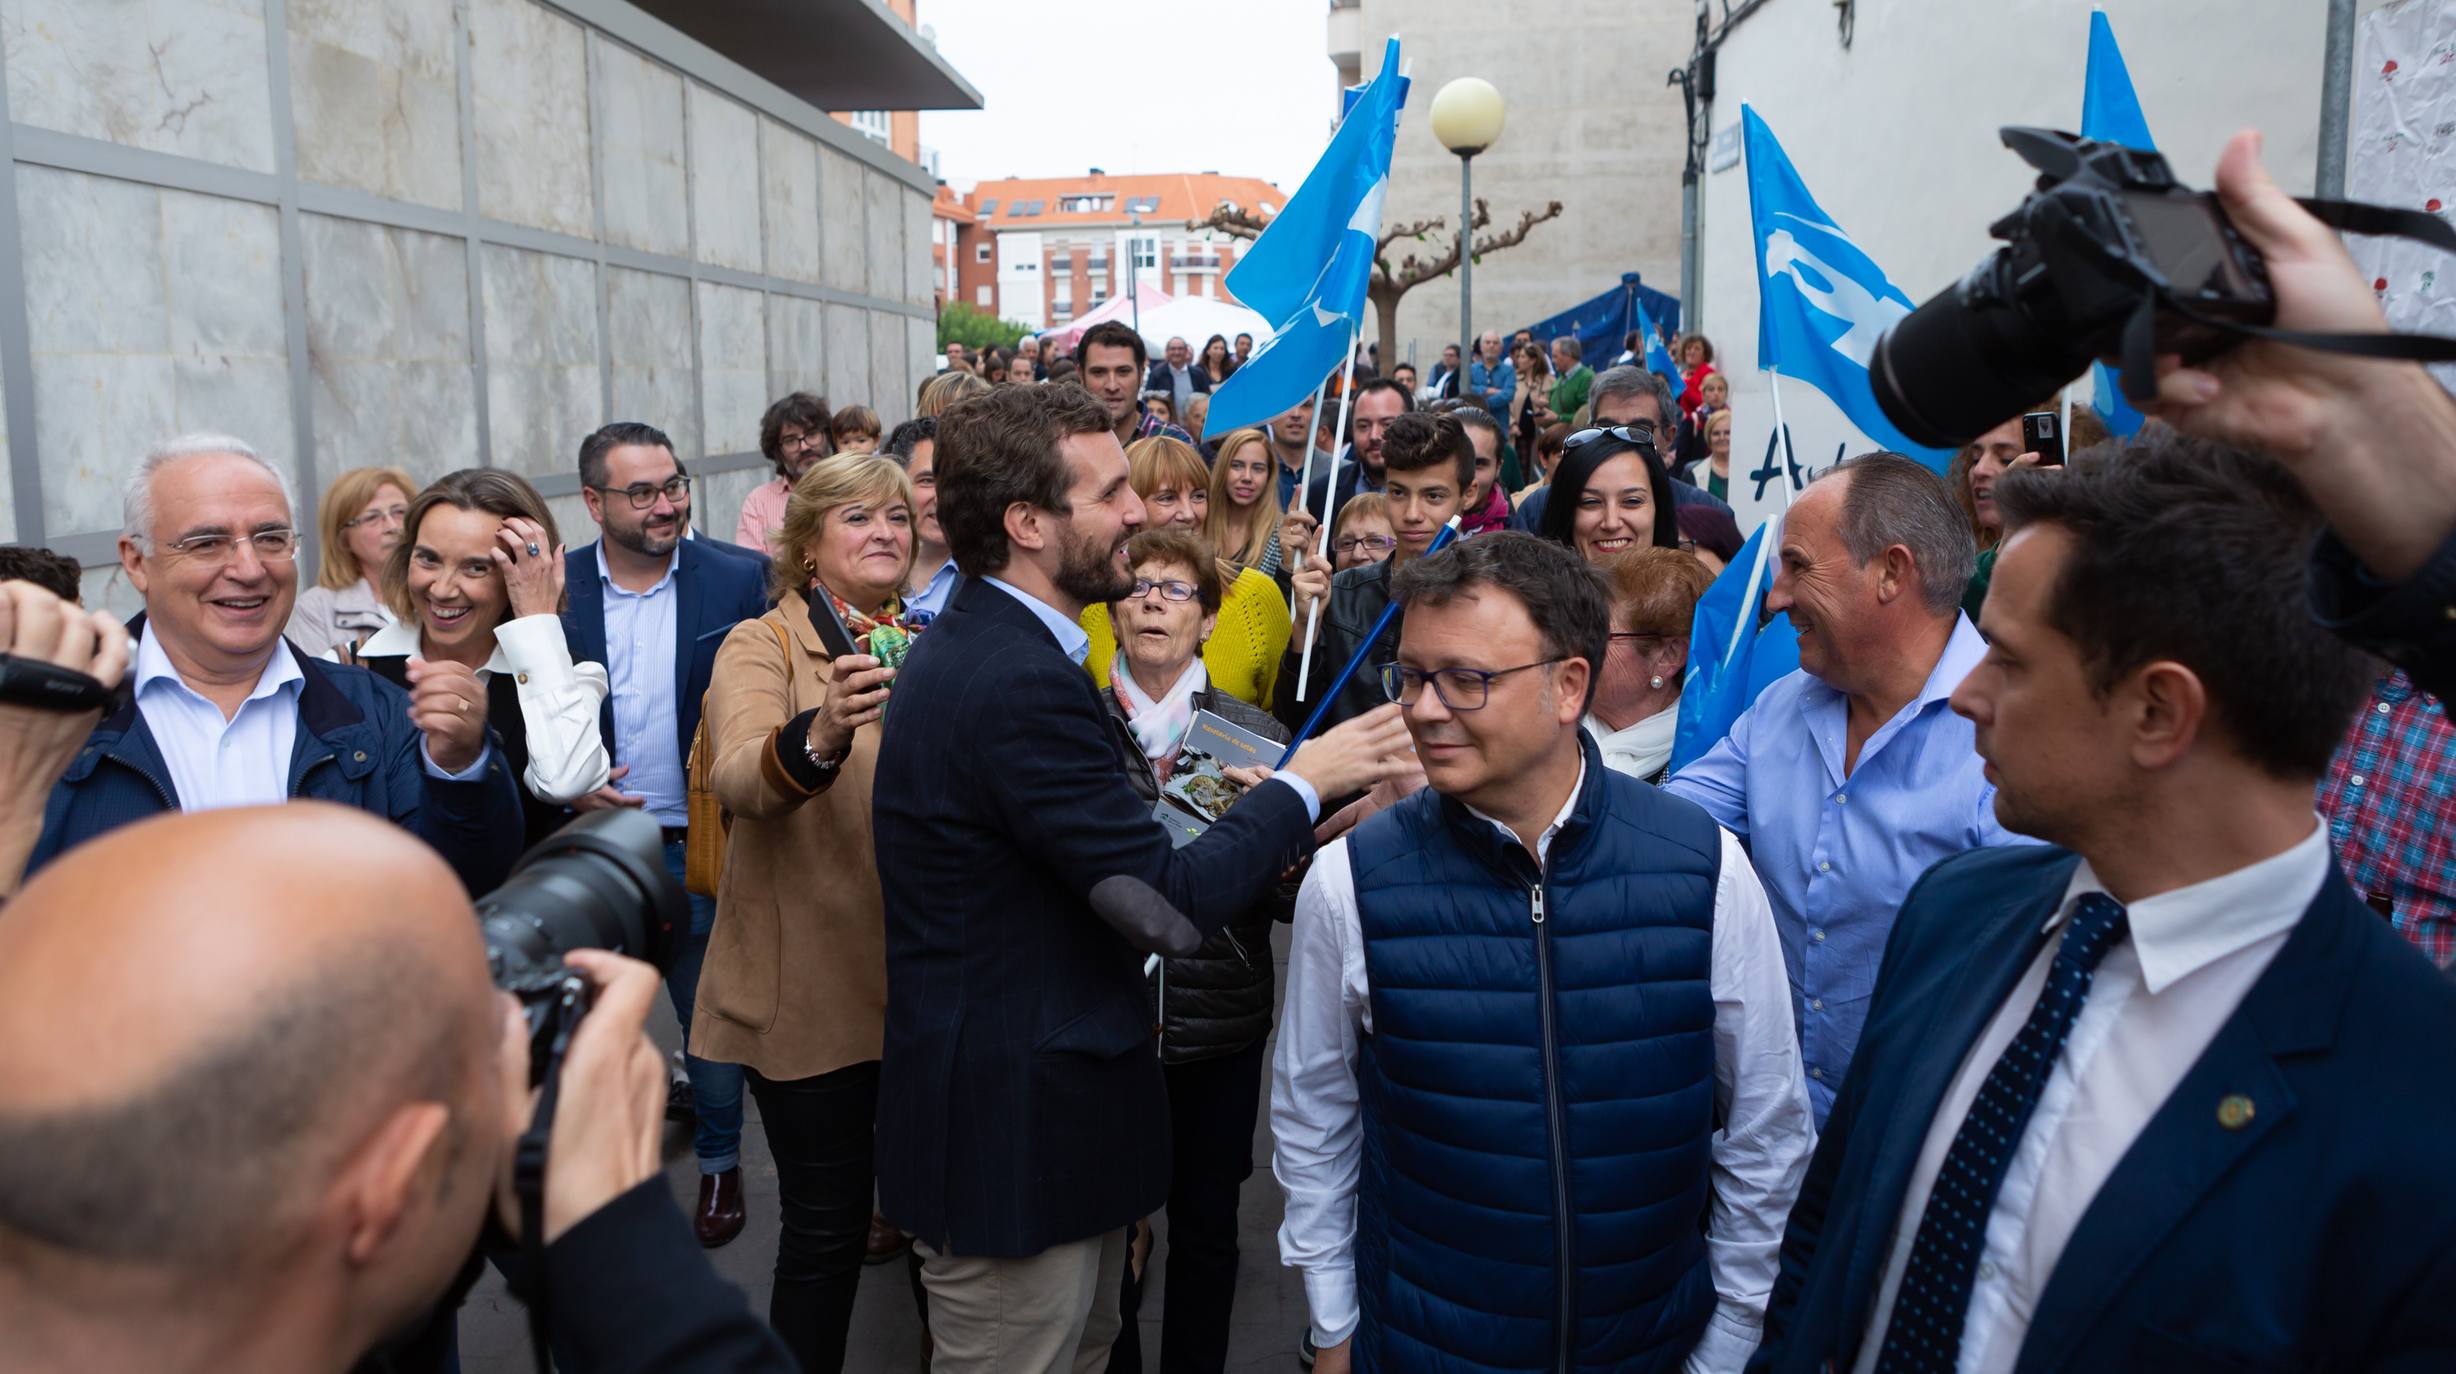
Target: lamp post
(1467,119)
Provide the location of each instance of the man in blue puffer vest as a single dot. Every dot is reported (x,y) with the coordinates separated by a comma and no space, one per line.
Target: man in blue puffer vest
(1537,1098)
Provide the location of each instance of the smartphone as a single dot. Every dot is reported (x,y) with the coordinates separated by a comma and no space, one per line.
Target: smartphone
(2042,433)
(830,626)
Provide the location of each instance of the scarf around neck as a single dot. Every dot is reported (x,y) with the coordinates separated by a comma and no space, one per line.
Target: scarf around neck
(1159,726)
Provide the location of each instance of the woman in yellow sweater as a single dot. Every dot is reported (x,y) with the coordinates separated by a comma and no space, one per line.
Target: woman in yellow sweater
(1243,653)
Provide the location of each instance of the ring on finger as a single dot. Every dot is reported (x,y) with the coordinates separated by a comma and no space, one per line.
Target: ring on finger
(533,551)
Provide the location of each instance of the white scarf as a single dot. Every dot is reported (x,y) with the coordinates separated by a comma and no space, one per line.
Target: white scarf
(1642,749)
(1159,726)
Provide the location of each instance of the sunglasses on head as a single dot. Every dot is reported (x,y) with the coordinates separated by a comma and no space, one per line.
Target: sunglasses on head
(1637,432)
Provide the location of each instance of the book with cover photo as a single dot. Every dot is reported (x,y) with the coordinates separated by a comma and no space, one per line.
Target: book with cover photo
(1197,791)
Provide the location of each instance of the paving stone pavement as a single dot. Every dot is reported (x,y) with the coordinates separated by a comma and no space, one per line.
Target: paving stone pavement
(886,1334)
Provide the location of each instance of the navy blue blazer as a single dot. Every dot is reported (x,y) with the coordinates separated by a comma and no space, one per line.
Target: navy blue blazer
(2318,1235)
(720,586)
(1020,1101)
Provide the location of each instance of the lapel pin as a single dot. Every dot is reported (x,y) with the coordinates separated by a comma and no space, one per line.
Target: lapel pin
(2234,1111)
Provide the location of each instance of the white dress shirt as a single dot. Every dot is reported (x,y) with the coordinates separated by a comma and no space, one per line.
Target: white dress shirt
(559,700)
(241,760)
(1760,1154)
(2158,999)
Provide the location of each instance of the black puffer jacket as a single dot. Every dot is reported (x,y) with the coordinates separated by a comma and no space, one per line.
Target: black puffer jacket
(1218,999)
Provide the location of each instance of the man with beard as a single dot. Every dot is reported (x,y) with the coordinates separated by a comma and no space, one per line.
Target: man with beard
(652,605)
(1022,1115)
(1377,403)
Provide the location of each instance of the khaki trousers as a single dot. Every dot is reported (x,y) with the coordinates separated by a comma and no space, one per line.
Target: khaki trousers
(1050,1313)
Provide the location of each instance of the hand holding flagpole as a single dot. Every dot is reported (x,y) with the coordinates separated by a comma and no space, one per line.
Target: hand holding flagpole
(1330,508)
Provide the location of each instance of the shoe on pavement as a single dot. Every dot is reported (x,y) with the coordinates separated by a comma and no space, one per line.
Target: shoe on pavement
(721,1210)
(886,1243)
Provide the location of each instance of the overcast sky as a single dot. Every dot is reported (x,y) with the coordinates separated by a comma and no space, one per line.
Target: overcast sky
(1133,86)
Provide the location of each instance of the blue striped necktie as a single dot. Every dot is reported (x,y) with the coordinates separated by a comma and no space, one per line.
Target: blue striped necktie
(1924,1335)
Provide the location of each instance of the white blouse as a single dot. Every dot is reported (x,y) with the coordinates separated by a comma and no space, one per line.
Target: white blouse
(559,700)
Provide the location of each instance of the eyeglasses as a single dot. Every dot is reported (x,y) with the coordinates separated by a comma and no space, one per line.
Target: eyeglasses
(1641,641)
(645,494)
(1377,543)
(1636,432)
(216,550)
(389,515)
(801,441)
(1171,590)
(1460,689)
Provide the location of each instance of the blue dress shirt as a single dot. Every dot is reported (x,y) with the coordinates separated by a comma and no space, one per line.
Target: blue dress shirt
(1078,646)
(639,651)
(931,600)
(1501,379)
(1837,854)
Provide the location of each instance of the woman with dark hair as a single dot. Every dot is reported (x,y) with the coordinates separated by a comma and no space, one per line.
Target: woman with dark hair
(793,437)
(1215,363)
(478,579)
(1609,494)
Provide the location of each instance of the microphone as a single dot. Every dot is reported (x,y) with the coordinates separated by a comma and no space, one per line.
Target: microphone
(1136,910)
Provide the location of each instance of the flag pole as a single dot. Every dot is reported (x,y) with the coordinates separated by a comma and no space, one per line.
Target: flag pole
(1304,478)
(1441,540)
(1330,501)
(1782,432)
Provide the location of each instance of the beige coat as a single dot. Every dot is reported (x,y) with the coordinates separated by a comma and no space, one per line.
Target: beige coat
(795,983)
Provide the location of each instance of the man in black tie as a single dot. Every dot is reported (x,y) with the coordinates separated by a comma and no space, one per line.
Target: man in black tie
(2148,1100)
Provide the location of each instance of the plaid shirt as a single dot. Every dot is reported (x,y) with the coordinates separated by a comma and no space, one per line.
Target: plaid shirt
(1152,424)
(2390,802)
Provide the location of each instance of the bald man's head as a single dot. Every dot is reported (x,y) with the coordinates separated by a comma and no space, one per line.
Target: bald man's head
(207,1024)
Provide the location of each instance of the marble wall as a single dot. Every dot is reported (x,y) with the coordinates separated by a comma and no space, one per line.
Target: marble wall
(386,339)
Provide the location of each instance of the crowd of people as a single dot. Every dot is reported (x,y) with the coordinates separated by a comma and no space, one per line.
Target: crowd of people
(2035,978)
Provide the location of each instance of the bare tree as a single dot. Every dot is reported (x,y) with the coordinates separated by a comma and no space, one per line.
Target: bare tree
(1390,282)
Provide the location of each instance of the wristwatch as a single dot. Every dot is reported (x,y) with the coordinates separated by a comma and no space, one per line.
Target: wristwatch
(827,764)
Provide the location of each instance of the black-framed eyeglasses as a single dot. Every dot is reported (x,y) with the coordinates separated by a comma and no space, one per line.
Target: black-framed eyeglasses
(1635,432)
(1460,689)
(1169,590)
(1377,543)
(644,494)
(811,440)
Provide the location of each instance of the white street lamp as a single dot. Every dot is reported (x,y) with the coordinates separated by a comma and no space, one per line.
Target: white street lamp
(1467,117)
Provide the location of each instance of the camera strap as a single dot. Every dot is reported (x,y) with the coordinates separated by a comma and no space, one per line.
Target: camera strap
(2139,377)
(529,1161)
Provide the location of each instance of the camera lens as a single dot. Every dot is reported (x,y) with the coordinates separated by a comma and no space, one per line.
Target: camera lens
(598,883)
(1971,356)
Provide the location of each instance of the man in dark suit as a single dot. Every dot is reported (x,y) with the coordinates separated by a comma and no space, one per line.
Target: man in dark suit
(1022,1116)
(652,605)
(2150,1100)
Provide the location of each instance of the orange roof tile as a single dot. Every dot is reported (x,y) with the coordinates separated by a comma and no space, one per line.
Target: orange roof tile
(1174,197)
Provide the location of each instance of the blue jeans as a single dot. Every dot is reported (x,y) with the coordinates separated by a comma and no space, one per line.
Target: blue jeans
(716,1089)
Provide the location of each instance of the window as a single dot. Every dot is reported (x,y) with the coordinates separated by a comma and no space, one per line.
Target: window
(989,207)
(871,124)
(1084,205)
(980,252)
(1025,209)
(1143,205)
(985,296)
(1146,252)
(1100,295)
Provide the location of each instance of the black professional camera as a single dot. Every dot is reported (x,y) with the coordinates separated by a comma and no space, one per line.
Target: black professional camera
(2109,253)
(597,883)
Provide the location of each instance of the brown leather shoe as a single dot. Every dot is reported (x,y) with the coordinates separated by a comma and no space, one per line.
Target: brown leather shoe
(886,1242)
(721,1212)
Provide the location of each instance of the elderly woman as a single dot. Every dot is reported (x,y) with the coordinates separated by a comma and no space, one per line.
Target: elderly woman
(477,579)
(360,521)
(1213,1007)
(1610,494)
(1636,708)
(795,984)
(1243,656)
(793,436)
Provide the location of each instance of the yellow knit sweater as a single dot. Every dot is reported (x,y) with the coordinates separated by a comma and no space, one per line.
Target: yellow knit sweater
(1242,655)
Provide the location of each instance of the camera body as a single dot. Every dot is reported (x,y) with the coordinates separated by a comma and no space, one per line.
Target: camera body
(597,883)
(2109,245)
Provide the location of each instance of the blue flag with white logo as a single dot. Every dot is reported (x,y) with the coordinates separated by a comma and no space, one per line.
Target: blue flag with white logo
(1822,303)
(1658,358)
(1309,271)
(2110,111)
(1731,661)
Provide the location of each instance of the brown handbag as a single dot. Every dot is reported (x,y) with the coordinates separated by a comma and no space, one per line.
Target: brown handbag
(703,847)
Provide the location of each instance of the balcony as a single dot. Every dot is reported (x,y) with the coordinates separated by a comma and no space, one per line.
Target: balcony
(1195,263)
(1346,33)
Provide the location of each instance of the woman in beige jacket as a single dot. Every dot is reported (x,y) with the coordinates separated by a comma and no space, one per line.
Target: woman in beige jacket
(795,985)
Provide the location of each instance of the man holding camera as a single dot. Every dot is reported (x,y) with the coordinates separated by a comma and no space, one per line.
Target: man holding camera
(225,712)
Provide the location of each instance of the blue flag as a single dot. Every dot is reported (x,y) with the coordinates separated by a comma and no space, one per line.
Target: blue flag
(2109,110)
(1309,271)
(1821,302)
(1731,661)
(1658,358)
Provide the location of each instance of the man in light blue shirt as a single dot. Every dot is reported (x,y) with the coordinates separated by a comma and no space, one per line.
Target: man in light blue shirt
(1848,778)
